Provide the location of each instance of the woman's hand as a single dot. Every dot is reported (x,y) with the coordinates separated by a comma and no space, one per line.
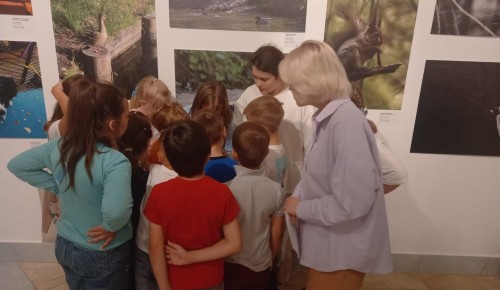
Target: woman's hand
(176,254)
(291,206)
(98,234)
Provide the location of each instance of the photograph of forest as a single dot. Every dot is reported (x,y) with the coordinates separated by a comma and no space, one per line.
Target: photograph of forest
(467,18)
(194,67)
(22,106)
(458,109)
(241,15)
(113,41)
(373,40)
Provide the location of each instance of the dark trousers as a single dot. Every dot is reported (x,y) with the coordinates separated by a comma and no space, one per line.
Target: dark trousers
(238,277)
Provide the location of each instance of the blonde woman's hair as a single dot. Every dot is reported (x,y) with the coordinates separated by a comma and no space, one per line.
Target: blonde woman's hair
(265,111)
(314,69)
(151,90)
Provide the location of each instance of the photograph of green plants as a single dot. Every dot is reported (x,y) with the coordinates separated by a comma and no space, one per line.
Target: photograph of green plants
(194,67)
(373,40)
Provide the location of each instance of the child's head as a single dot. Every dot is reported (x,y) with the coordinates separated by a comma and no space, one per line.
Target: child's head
(213,96)
(99,114)
(67,85)
(151,94)
(213,125)
(250,144)
(167,114)
(187,147)
(134,142)
(265,111)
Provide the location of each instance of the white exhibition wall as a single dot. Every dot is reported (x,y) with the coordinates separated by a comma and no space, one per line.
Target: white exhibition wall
(448,206)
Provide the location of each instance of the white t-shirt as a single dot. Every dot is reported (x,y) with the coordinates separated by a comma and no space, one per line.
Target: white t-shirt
(393,171)
(53,131)
(157,174)
(275,164)
(295,130)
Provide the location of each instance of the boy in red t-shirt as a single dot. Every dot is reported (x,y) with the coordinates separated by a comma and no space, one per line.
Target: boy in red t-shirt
(195,214)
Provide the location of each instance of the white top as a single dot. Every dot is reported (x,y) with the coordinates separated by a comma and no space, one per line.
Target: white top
(53,131)
(275,163)
(157,174)
(393,171)
(295,130)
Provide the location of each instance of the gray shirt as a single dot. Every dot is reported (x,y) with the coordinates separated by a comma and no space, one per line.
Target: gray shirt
(259,199)
(343,220)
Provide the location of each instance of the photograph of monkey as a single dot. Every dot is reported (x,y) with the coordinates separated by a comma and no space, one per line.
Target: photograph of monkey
(467,18)
(373,39)
(458,109)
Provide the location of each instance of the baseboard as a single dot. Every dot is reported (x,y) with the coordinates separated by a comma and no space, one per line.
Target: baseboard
(44,252)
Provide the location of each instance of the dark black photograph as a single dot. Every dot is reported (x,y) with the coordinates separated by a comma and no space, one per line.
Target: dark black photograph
(458,110)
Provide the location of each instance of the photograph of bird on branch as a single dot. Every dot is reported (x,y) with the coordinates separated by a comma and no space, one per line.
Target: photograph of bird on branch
(106,40)
(240,15)
(467,17)
(373,40)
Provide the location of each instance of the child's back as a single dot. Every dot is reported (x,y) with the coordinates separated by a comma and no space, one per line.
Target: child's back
(261,201)
(193,211)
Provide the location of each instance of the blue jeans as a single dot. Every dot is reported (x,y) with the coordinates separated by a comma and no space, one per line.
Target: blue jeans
(144,276)
(88,269)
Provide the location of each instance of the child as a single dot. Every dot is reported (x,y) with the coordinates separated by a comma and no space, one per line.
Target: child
(158,173)
(212,96)
(134,144)
(54,127)
(219,166)
(166,115)
(192,211)
(261,201)
(92,180)
(268,112)
(151,94)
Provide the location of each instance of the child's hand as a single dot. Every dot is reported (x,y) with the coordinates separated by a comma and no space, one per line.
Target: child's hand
(176,254)
(98,234)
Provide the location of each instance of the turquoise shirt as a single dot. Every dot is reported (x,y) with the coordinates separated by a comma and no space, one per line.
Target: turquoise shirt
(105,200)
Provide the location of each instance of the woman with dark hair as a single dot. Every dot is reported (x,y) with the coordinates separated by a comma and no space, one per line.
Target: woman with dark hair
(92,181)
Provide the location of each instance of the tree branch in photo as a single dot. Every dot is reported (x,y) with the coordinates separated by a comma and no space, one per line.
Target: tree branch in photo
(459,7)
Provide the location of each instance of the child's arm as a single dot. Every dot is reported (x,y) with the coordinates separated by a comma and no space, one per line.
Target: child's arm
(157,256)
(63,100)
(276,234)
(229,245)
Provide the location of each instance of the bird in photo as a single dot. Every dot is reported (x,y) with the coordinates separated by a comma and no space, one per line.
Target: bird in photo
(263,20)
(101,36)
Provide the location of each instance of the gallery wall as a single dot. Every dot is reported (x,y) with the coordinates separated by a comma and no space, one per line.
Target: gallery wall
(449,205)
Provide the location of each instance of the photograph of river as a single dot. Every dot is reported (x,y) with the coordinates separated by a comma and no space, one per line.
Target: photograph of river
(241,15)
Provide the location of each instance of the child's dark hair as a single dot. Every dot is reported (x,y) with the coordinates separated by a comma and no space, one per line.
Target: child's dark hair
(67,85)
(135,140)
(267,59)
(212,96)
(90,109)
(251,144)
(212,123)
(187,147)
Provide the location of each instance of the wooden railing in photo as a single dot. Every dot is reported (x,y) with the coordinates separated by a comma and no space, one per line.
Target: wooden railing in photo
(139,40)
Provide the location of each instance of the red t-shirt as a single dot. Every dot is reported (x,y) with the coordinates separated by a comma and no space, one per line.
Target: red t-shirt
(192,213)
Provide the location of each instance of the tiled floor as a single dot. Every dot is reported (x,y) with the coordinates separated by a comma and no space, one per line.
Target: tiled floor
(49,276)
